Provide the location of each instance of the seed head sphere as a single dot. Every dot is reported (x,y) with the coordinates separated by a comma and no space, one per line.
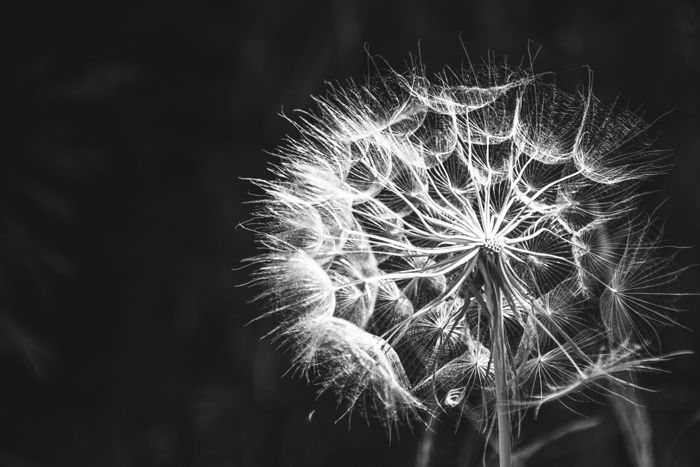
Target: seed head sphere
(401,202)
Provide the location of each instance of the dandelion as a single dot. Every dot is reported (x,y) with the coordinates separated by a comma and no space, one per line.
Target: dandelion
(466,244)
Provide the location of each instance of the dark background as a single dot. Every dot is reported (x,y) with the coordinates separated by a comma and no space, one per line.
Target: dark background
(122,337)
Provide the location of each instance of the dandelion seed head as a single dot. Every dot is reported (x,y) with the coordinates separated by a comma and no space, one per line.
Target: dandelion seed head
(400,201)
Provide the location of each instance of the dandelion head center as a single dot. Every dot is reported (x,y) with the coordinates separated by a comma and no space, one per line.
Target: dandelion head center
(493,245)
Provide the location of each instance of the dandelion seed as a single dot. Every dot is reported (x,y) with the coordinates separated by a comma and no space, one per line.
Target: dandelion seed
(465,243)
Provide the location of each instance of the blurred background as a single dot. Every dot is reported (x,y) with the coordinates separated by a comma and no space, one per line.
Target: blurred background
(123,339)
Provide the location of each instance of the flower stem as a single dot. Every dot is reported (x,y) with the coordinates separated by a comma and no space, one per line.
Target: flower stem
(493,300)
(426,445)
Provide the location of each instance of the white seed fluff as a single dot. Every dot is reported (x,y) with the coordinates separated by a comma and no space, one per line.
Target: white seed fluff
(396,200)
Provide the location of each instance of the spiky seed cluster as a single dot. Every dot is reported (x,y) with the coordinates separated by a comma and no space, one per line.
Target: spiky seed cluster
(400,203)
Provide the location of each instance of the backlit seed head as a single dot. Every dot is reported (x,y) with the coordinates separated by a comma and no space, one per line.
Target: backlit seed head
(397,199)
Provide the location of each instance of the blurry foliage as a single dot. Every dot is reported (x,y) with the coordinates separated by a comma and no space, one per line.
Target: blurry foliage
(122,336)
